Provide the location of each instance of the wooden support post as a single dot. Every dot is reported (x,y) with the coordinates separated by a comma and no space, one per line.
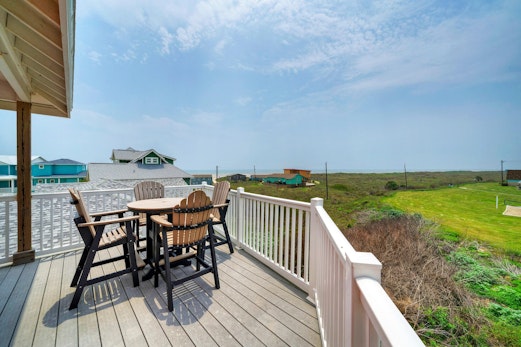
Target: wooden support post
(25,252)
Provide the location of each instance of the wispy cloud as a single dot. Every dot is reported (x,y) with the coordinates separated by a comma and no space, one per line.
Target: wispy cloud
(166,40)
(95,56)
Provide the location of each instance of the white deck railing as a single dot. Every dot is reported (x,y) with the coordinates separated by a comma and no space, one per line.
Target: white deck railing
(296,239)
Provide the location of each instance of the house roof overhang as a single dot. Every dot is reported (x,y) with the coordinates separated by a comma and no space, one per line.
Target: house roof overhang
(37,55)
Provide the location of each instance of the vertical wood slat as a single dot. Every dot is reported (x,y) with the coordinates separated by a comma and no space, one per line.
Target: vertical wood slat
(41,223)
(276,253)
(307,246)
(298,270)
(6,231)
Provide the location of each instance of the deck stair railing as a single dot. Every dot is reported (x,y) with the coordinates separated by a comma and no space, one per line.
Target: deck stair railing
(296,239)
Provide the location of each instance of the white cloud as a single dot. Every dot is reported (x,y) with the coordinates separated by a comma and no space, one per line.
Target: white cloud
(95,56)
(166,39)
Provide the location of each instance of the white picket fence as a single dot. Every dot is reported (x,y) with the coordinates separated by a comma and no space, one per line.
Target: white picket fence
(296,239)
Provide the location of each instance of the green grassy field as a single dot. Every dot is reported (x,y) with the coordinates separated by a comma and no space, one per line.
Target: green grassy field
(469,210)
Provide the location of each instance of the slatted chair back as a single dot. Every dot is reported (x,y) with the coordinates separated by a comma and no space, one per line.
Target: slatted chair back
(219,196)
(149,190)
(81,208)
(190,220)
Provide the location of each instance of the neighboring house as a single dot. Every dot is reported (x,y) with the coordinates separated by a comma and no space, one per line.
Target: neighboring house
(290,177)
(287,179)
(59,171)
(42,171)
(236,178)
(130,155)
(513,177)
(200,178)
(258,178)
(132,165)
(305,173)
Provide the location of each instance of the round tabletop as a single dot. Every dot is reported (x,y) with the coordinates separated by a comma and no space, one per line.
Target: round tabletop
(154,205)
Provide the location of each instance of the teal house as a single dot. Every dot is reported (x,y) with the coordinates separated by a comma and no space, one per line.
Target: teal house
(42,171)
(294,180)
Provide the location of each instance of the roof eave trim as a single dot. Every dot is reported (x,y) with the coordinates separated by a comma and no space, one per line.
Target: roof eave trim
(68,20)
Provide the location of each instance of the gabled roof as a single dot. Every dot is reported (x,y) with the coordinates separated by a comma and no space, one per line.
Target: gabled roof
(65,162)
(134,171)
(11,159)
(37,55)
(132,155)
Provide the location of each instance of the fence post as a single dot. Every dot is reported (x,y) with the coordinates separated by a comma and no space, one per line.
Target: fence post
(239,204)
(314,230)
(363,264)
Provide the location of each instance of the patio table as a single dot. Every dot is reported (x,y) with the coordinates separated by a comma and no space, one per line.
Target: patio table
(152,207)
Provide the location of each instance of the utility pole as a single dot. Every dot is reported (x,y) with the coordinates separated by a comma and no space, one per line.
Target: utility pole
(502,161)
(327,186)
(405,171)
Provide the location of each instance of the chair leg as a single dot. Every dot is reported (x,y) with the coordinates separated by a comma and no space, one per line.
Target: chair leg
(132,256)
(157,251)
(168,280)
(199,254)
(79,268)
(83,278)
(126,254)
(228,239)
(214,258)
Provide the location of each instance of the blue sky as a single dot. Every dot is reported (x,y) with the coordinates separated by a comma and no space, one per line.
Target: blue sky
(361,85)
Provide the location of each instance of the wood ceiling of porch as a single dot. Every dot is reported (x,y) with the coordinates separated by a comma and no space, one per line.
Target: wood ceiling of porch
(37,55)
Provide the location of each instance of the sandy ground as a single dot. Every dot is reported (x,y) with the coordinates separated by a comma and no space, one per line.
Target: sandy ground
(513,211)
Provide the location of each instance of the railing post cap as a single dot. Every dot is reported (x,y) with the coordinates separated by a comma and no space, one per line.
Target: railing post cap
(317,202)
(240,189)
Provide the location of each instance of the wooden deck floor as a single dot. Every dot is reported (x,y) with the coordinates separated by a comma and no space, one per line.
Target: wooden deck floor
(253,307)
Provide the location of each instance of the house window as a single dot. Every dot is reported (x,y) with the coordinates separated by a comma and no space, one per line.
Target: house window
(151,160)
(41,166)
(52,180)
(40,181)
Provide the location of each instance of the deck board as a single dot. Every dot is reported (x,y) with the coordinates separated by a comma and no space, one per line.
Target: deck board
(253,307)
(12,304)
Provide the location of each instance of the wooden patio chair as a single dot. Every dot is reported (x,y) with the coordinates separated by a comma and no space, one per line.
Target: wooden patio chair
(147,190)
(188,230)
(220,203)
(96,238)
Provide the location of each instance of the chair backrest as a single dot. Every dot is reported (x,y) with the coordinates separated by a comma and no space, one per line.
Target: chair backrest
(219,196)
(190,219)
(77,201)
(149,190)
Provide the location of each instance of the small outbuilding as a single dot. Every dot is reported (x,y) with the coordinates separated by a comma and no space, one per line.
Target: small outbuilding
(294,180)
(513,177)
(236,178)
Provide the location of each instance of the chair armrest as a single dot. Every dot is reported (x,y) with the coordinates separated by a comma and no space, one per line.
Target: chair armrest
(161,220)
(221,205)
(109,221)
(108,213)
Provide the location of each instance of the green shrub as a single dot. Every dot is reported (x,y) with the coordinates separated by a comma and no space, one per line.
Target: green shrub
(391,185)
(505,314)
